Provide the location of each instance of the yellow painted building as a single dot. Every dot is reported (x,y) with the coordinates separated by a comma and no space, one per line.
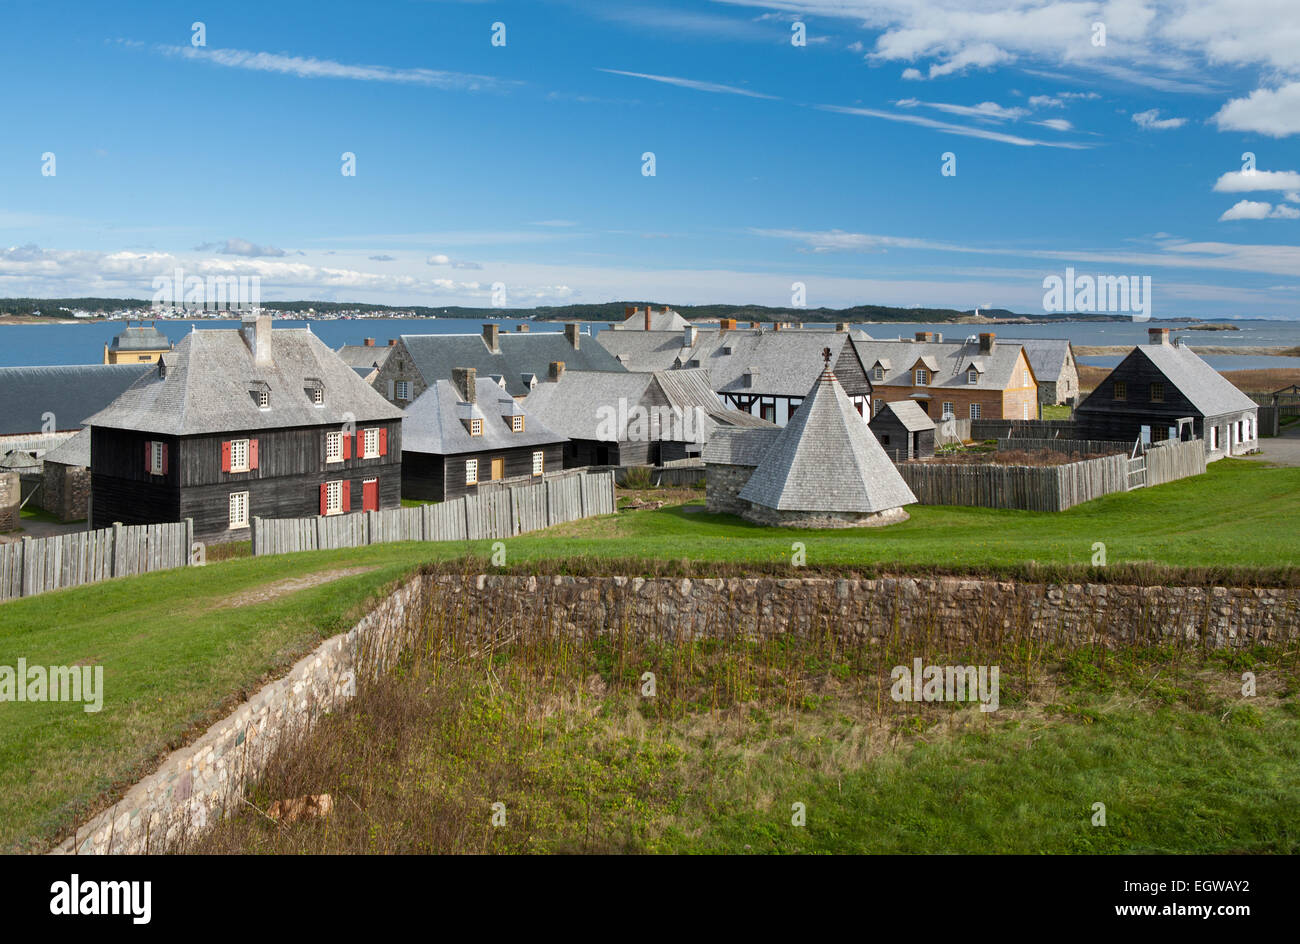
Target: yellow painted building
(139,343)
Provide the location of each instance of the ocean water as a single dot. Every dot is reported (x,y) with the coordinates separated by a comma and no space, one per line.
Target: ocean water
(47,344)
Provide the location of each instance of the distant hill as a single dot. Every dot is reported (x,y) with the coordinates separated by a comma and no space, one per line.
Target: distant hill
(609,311)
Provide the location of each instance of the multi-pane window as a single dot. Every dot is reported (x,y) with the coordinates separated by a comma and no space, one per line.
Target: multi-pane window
(1157,392)
(974,411)
(155,458)
(922,376)
(333,447)
(333,498)
(878,374)
(947,408)
(517,424)
(476,427)
(239,509)
(880,405)
(1024,413)
(1024,378)
(972,376)
(403,390)
(318,396)
(239,455)
(1121,390)
(263,398)
(371,443)
(471,471)
(538,460)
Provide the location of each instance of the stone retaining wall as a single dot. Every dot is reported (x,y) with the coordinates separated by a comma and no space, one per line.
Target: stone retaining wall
(198,783)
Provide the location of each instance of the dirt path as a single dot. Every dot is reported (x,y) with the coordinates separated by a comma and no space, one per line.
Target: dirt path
(1283,449)
(281,588)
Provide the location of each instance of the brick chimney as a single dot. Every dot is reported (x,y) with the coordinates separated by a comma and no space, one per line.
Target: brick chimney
(1158,335)
(571,334)
(925,336)
(778,325)
(629,311)
(648,310)
(465,380)
(492,336)
(392,342)
(557,370)
(522,329)
(256,330)
(369,342)
(842,326)
(987,340)
(728,324)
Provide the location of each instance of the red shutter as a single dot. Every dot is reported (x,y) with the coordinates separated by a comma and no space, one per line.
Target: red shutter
(148,458)
(361,443)
(225,456)
(324,499)
(383,440)
(252,453)
(347,446)
(347,496)
(164,469)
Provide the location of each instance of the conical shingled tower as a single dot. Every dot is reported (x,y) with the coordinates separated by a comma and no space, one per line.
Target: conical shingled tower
(826,467)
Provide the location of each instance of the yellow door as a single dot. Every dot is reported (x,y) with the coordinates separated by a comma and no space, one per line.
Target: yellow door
(498,469)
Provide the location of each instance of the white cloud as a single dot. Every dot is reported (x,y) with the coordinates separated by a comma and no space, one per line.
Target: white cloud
(692,84)
(1151,121)
(1274,112)
(439,259)
(1056,124)
(1259,210)
(1284,212)
(962,130)
(990,110)
(1045,101)
(309,68)
(1240,182)
(1293,196)
(913,75)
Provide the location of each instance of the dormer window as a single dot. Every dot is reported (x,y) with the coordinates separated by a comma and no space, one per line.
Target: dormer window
(476,427)
(517,423)
(315,391)
(878,373)
(922,377)
(261,394)
(726,349)
(972,376)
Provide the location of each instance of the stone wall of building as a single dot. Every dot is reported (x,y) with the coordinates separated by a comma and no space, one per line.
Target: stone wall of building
(10,496)
(202,781)
(779,518)
(65,491)
(722,485)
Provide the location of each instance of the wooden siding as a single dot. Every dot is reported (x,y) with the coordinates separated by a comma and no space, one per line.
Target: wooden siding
(435,478)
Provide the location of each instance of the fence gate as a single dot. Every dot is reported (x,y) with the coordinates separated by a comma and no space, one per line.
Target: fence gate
(1137,472)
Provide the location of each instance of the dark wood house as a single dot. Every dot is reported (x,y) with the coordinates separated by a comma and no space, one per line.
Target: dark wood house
(234,424)
(1165,391)
(466,431)
(904,430)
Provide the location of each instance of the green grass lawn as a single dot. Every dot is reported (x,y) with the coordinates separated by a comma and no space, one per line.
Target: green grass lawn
(1056,411)
(178,655)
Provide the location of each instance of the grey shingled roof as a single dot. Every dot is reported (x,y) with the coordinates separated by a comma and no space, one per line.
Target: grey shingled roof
(1047,356)
(660,320)
(520,353)
(205,387)
(579,402)
(364,355)
(947,359)
(786,362)
(434,422)
(140,338)
(1208,390)
(910,414)
(71,393)
(827,459)
(75,450)
(739,446)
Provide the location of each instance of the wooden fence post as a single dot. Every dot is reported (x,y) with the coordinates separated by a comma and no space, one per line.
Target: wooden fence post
(119,565)
(24,583)
(258,536)
(189,542)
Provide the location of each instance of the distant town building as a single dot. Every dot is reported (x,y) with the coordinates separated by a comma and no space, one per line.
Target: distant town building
(650,319)
(139,343)
(366,358)
(1055,369)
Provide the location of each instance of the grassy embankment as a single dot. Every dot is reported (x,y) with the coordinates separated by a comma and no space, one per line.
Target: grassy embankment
(180,648)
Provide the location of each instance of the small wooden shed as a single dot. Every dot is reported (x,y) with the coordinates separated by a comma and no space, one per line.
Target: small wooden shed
(904,430)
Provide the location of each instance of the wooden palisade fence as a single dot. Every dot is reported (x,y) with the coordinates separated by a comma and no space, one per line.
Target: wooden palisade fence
(36,565)
(1030,488)
(493,514)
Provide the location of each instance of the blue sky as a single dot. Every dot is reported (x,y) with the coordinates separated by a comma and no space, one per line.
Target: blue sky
(775,163)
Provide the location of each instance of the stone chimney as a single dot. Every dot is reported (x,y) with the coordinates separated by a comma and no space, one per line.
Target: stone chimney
(557,370)
(987,340)
(369,342)
(465,380)
(778,325)
(522,329)
(925,336)
(728,324)
(571,334)
(842,326)
(392,342)
(648,310)
(256,330)
(1158,335)
(492,337)
(688,336)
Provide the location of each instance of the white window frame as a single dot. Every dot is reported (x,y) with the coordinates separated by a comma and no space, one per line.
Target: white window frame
(334,446)
(974,411)
(318,396)
(1024,412)
(239,447)
(156,457)
(471,471)
(403,389)
(263,398)
(370,442)
(1024,378)
(238,502)
(922,377)
(972,376)
(476,427)
(947,410)
(334,498)
(539,462)
(878,373)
